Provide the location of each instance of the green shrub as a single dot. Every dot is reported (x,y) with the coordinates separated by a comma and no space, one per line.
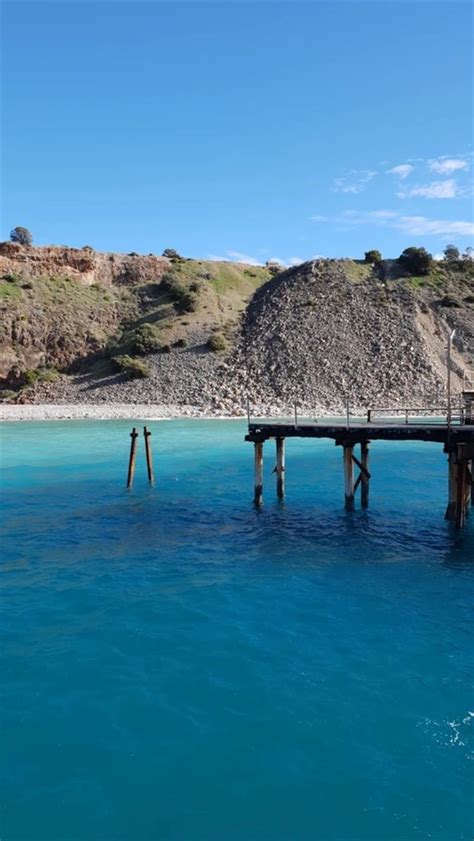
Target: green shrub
(216,342)
(43,374)
(7,395)
(21,236)
(184,298)
(171,254)
(416,261)
(373,256)
(47,374)
(451,253)
(146,339)
(30,376)
(135,368)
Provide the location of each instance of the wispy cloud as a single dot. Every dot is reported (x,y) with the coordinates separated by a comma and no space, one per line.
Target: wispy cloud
(239,257)
(435,190)
(319,218)
(414,225)
(402,170)
(243,258)
(354,181)
(446,166)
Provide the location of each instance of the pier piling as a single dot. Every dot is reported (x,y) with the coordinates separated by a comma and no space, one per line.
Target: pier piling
(459,484)
(149,460)
(280,467)
(348,477)
(258,498)
(365,475)
(133,455)
(457,436)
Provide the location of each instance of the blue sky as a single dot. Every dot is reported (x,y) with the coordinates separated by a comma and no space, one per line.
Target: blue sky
(239,129)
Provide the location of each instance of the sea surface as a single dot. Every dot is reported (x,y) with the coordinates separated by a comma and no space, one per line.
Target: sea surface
(179,665)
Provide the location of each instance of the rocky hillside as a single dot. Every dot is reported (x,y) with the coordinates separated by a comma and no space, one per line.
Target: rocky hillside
(338,329)
(78,326)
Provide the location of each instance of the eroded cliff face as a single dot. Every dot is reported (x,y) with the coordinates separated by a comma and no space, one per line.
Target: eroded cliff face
(82,264)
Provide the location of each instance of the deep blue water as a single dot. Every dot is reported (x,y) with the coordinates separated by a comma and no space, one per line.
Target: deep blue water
(178,665)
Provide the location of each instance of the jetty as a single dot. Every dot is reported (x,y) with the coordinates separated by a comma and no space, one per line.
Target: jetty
(454,430)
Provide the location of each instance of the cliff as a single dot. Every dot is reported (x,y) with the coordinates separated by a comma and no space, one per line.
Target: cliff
(81,326)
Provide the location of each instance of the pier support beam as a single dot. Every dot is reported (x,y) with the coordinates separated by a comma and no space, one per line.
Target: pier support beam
(364,488)
(459,485)
(452,485)
(258,497)
(348,477)
(280,467)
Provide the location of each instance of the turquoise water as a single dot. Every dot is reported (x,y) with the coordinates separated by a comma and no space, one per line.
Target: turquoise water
(178,665)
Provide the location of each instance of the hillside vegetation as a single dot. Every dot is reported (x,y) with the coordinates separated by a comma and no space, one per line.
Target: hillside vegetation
(79,325)
(73,309)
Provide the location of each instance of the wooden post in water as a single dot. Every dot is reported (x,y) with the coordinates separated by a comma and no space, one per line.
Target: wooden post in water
(258,473)
(364,488)
(461,506)
(133,454)
(452,486)
(348,477)
(149,460)
(459,485)
(280,467)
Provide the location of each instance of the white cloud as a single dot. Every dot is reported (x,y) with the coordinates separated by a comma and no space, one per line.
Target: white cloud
(402,170)
(384,214)
(243,258)
(294,261)
(354,181)
(446,166)
(415,225)
(436,190)
(421,225)
(318,218)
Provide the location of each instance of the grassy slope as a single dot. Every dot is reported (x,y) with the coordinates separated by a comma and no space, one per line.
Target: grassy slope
(56,321)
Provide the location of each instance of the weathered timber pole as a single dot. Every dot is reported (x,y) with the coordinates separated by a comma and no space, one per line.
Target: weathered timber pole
(348,477)
(280,467)
(149,460)
(452,486)
(461,506)
(258,473)
(364,488)
(133,455)
(459,486)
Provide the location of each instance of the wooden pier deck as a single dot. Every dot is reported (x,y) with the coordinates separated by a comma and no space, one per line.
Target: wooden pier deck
(456,436)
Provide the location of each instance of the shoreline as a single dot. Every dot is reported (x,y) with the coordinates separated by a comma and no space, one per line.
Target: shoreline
(119,411)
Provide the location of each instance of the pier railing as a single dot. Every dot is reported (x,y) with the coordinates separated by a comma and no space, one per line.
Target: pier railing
(435,415)
(410,414)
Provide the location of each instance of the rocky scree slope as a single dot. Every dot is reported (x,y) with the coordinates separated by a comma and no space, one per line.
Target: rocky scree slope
(329,330)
